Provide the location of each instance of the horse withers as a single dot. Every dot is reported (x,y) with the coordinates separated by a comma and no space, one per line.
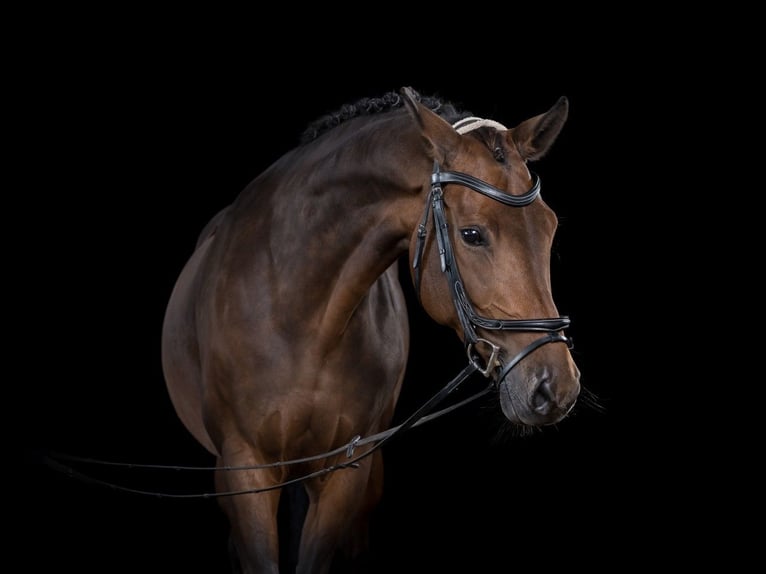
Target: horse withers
(286,335)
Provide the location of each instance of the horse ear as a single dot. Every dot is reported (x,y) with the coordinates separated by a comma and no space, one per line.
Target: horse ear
(535,136)
(439,135)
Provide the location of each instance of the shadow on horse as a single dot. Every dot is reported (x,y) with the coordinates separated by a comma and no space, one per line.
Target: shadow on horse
(286,336)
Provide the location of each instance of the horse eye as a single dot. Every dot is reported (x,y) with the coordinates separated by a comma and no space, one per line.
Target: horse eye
(499,155)
(472,236)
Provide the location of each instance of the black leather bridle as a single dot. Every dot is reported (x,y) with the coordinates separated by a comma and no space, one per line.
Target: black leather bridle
(469,318)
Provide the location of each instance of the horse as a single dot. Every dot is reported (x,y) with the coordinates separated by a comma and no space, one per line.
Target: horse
(286,335)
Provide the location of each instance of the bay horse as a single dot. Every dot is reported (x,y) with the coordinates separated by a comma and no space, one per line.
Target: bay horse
(286,334)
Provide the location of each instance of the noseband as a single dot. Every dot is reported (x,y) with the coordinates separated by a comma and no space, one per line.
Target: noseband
(469,318)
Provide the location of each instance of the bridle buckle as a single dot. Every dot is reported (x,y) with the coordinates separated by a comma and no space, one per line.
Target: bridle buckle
(475,358)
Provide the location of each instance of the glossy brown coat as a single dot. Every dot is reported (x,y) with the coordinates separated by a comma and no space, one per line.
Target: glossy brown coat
(287,331)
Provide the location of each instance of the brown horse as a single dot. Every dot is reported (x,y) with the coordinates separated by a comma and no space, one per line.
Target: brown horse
(286,334)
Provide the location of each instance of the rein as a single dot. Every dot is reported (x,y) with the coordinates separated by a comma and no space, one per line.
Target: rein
(420,416)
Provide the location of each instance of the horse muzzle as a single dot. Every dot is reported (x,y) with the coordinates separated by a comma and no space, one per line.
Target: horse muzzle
(538,395)
(539,391)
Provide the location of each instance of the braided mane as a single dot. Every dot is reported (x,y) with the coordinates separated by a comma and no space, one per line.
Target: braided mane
(370,106)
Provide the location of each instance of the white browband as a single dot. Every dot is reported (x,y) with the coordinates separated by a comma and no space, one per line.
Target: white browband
(468,124)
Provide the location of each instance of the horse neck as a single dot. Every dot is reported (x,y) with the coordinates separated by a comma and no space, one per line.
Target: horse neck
(339,213)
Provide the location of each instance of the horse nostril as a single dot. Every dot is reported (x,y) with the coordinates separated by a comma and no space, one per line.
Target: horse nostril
(543,400)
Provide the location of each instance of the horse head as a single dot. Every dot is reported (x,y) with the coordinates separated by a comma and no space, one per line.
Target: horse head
(481,257)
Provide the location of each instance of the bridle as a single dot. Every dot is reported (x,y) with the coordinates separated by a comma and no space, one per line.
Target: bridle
(469,318)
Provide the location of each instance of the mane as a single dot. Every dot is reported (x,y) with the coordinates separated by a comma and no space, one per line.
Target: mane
(371,106)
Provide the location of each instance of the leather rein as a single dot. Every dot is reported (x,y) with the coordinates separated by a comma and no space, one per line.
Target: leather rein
(469,320)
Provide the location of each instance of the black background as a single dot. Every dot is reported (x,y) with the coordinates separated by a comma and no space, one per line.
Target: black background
(133,134)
